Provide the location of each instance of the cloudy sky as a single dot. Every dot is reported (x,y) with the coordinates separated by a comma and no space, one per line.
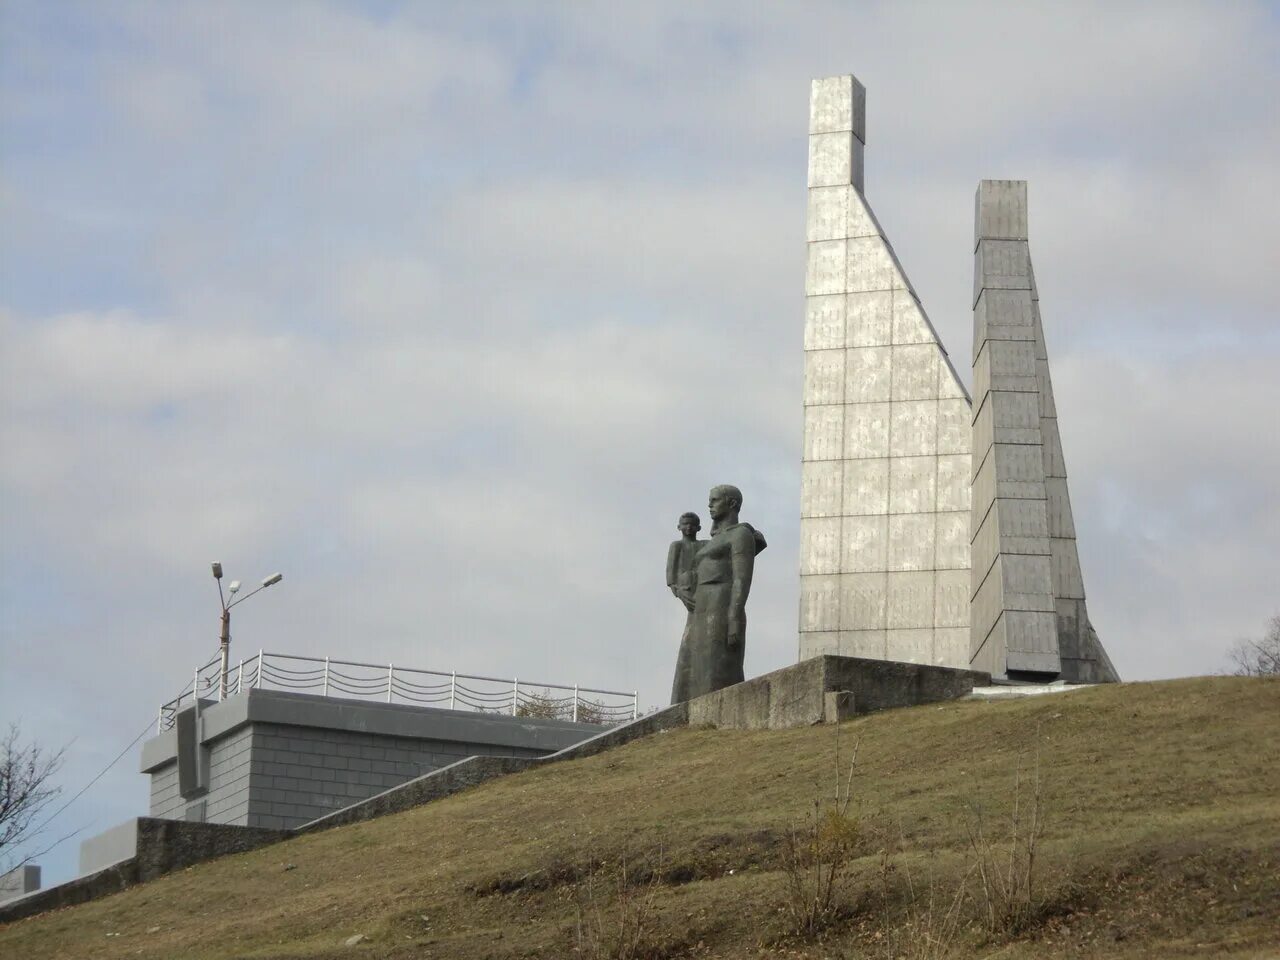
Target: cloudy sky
(448,310)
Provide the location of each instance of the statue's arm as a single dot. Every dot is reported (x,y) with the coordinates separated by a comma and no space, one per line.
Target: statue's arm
(742,560)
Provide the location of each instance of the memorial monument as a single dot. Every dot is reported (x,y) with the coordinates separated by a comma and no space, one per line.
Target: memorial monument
(715,591)
(931,532)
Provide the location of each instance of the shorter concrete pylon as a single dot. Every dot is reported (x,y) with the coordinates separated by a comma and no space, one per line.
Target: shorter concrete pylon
(1029,618)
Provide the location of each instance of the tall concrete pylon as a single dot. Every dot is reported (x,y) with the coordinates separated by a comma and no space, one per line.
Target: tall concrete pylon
(885,507)
(1029,617)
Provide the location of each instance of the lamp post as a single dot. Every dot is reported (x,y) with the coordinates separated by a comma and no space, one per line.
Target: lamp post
(224,634)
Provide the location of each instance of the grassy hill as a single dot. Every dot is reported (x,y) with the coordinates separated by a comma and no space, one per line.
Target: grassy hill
(1160,806)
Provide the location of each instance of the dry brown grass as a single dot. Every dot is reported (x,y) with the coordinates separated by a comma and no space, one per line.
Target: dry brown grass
(1163,841)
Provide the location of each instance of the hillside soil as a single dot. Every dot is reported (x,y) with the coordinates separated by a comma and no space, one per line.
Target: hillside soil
(1136,820)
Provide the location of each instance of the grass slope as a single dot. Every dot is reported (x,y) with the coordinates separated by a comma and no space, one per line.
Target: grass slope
(1161,801)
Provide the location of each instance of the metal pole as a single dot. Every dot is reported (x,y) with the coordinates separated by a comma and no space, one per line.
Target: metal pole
(239,678)
(453,686)
(635,704)
(160,722)
(195,686)
(257,679)
(326,676)
(515,695)
(224,653)
(575,703)
(391,676)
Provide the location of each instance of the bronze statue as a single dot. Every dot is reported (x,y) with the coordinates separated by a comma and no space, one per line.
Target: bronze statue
(712,649)
(682,579)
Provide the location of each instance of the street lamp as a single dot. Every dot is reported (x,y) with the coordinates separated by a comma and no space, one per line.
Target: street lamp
(224,636)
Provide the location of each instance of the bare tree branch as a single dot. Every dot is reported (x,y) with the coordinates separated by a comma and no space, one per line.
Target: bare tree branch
(1258,658)
(25,788)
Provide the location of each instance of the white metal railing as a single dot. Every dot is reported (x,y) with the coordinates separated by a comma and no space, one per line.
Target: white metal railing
(391,684)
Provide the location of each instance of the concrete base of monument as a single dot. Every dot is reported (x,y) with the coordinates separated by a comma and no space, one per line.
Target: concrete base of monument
(827,689)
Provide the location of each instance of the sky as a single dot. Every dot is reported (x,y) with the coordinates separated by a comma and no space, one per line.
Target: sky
(448,310)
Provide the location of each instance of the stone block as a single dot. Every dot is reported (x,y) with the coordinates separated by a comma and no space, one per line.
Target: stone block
(909,324)
(832,157)
(913,484)
(824,432)
(868,374)
(953,542)
(954,428)
(824,322)
(914,428)
(864,544)
(870,318)
(915,372)
(824,376)
(828,216)
(870,266)
(909,646)
(819,603)
(871,644)
(912,539)
(1001,265)
(863,599)
(910,599)
(866,430)
(821,484)
(953,482)
(826,268)
(866,487)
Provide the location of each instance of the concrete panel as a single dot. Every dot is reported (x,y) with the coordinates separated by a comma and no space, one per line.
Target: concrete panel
(914,428)
(826,268)
(954,430)
(915,372)
(909,646)
(863,600)
(1001,265)
(1007,365)
(824,432)
(951,599)
(828,217)
(820,545)
(1058,505)
(951,646)
(823,376)
(1027,581)
(862,222)
(953,542)
(824,644)
(1000,210)
(831,157)
(1002,315)
(112,846)
(1031,637)
(953,482)
(910,603)
(866,487)
(866,430)
(824,322)
(1067,582)
(1047,406)
(909,325)
(870,644)
(913,484)
(19,881)
(949,385)
(912,538)
(870,322)
(836,104)
(1054,464)
(870,267)
(1023,520)
(868,374)
(864,544)
(821,488)
(819,603)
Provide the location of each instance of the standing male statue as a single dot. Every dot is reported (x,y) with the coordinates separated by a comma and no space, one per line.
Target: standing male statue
(712,649)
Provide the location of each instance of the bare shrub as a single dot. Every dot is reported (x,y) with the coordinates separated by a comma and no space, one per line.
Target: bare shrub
(25,788)
(540,706)
(817,856)
(1006,867)
(614,914)
(1258,658)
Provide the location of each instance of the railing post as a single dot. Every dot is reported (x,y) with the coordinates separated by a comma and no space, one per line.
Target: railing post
(391,677)
(635,704)
(453,687)
(326,676)
(257,679)
(160,722)
(239,678)
(195,686)
(575,703)
(515,695)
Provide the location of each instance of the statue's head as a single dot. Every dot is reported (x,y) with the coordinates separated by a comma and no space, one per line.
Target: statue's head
(689,524)
(724,500)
